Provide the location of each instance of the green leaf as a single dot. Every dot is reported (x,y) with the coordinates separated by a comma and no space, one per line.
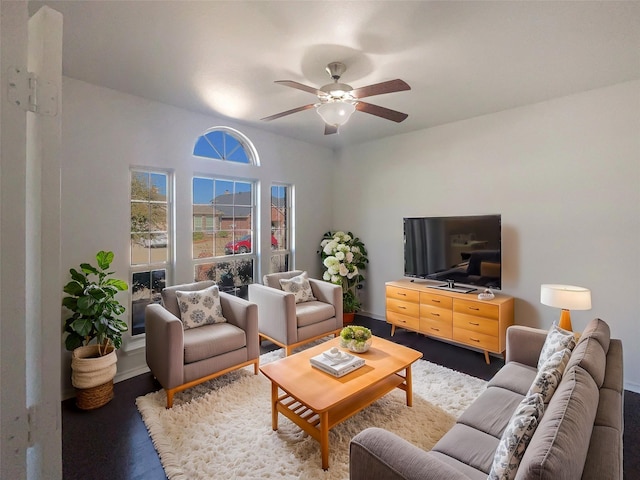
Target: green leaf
(82,326)
(85,302)
(86,268)
(119,284)
(104,259)
(70,302)
(73,341)
(78,277)
(73,288)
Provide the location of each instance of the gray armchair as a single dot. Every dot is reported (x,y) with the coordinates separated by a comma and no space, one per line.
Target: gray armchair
(181,359)
(289,324)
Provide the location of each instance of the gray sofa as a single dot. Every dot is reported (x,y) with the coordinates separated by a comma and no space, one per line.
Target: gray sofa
(579,435)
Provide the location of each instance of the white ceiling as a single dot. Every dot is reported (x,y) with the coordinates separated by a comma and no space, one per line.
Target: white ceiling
(461,59)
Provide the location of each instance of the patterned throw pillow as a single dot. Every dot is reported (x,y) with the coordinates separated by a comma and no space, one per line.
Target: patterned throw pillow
(516,437)
(550,374)
(201,307)
(557,340)
(299,286)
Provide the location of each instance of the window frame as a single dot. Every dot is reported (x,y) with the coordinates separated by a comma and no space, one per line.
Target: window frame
(248,147)
(254,254)
(288,252)
(137,340)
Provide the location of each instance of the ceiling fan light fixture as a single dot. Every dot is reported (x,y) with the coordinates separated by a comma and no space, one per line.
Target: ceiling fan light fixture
(336,113)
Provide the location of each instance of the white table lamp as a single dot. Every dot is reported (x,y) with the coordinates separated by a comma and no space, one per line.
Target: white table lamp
(566,297)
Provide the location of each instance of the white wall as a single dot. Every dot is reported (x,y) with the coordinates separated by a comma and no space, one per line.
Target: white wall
(564,174)
(106,132)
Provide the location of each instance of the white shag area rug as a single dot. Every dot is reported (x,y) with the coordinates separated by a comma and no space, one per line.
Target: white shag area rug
(221,429)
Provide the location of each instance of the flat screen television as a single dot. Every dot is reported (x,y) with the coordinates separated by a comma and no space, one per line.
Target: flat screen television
(463,250)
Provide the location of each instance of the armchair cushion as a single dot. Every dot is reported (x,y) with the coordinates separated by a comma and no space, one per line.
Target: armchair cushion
(299,286)
(201,307)
(308,313)
(212,340)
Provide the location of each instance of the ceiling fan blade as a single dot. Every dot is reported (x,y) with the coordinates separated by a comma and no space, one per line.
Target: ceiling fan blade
(391,86)
(330,129)
(299,86)
(383,112)
(288,112)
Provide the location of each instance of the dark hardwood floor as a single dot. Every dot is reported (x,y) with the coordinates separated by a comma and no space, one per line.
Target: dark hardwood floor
(112,442)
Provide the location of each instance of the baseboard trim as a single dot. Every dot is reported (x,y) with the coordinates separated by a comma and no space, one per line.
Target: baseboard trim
(632,387)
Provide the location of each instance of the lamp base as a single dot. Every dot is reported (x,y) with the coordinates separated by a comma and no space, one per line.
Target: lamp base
(565,320)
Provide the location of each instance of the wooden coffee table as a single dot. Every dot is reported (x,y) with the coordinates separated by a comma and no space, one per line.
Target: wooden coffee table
(316,401)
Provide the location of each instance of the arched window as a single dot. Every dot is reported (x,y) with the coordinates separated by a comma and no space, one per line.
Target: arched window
(226,144)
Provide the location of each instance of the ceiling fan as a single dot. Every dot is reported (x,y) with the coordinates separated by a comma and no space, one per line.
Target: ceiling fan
(337,101)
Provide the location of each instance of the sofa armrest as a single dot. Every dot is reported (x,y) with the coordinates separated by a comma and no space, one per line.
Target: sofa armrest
(524,344)
(380,454)
(244,315)
(276,313)
(164,351)
(328,293)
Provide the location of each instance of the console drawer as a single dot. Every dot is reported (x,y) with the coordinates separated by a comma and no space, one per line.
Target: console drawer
(403,307)
(434,300)
(437,328)
(476,339)
(403,294)
(476,324)
(435,313)
(476,308)
(403,321)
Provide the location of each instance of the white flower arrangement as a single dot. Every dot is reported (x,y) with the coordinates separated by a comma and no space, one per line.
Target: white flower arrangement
(344,257)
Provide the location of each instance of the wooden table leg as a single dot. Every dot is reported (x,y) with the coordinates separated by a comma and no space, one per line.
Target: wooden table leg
(324,439)
(409,384)
(274,406)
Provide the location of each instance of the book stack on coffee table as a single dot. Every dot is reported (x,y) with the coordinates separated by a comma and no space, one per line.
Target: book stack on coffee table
(336,362)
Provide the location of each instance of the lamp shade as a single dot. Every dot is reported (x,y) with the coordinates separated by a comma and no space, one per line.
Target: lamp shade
(567,297)
(336,113)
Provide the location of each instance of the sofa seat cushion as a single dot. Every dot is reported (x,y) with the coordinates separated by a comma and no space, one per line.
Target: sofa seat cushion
(490,412)
(514,376)
(559,447)
(308,313)
(212,340)
(469,446)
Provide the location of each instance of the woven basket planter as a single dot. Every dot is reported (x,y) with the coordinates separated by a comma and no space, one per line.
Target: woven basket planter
(92,376)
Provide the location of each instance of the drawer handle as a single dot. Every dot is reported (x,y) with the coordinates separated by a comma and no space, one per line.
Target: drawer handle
(401,294)
(403,321)
(435,301)
(435,314)
(403,308)
(436,329)
(474,339)
(474,308)
(473,323)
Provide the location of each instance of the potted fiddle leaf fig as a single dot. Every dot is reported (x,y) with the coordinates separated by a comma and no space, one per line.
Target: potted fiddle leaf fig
(94,329)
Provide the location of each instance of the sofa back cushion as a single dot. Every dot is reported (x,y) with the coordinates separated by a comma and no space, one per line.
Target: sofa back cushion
(599,330)
(559,447)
